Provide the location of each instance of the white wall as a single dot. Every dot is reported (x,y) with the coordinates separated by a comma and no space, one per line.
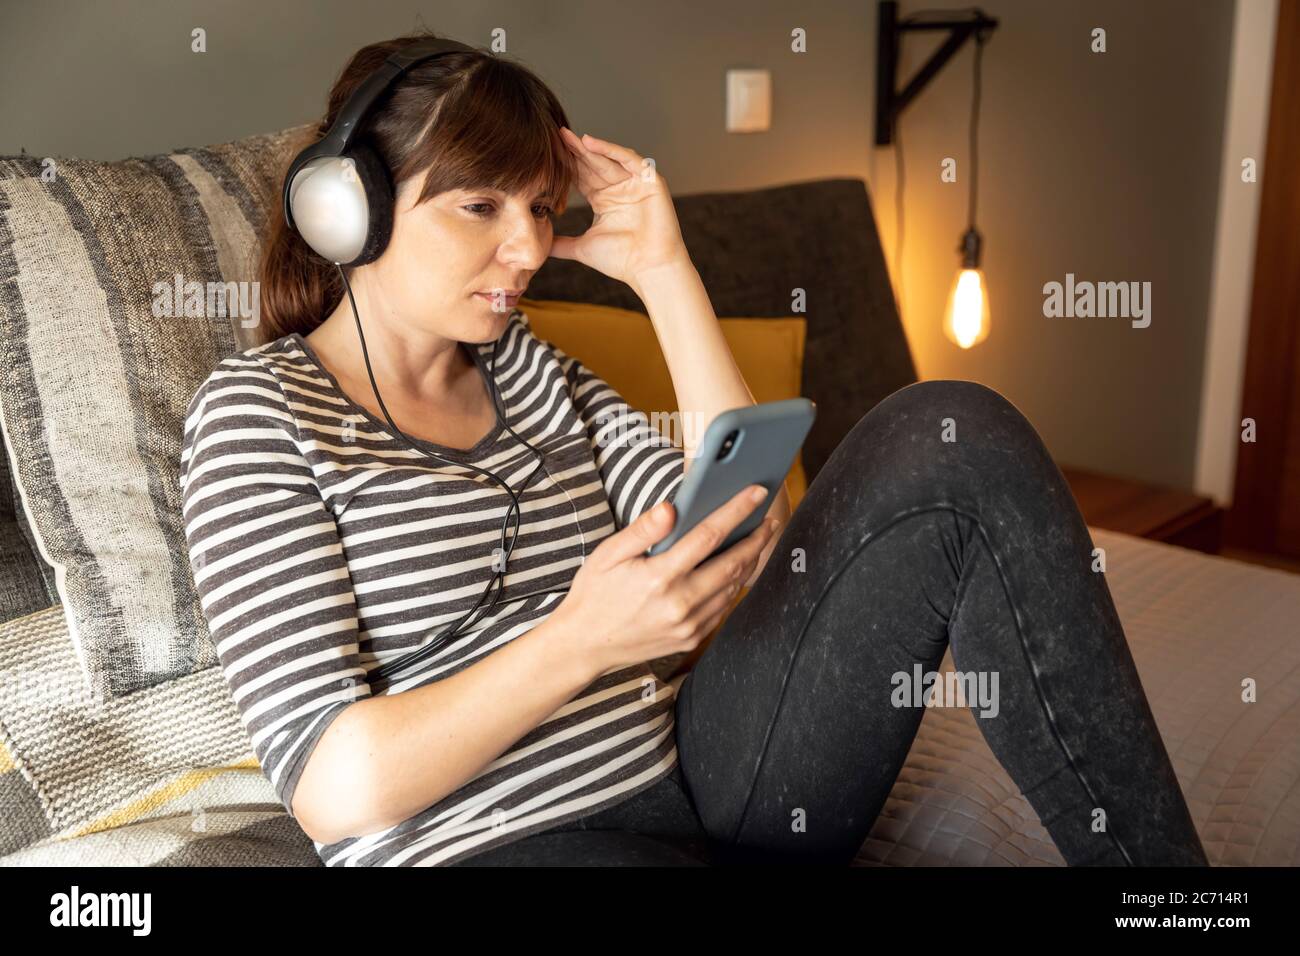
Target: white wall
(1245,135)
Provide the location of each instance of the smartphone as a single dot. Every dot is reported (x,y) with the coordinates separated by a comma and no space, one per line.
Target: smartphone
(754,445)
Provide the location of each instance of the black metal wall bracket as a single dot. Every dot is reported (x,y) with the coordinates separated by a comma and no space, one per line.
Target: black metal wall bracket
(889,101)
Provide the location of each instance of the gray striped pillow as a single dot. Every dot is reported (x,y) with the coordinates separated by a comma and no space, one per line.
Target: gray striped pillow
(97,377)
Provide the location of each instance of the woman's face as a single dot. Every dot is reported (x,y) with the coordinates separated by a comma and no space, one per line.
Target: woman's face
(445,251)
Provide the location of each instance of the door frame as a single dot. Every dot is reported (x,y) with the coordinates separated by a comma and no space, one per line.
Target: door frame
(1273,346)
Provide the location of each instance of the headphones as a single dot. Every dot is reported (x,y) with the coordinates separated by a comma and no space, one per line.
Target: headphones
(338,195)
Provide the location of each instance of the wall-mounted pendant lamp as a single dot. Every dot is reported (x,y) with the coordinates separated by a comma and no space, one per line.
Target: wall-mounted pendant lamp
(966,317)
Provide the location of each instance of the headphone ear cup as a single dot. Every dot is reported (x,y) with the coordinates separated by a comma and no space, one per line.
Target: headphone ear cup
(342,206)
(378,185)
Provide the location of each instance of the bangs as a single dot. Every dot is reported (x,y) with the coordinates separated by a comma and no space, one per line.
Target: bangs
(498,130)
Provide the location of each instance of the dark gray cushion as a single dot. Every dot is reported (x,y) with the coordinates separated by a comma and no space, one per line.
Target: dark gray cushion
(26,582)
(752,249)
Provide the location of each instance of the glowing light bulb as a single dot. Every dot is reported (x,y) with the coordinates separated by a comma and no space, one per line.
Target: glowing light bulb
(966,319)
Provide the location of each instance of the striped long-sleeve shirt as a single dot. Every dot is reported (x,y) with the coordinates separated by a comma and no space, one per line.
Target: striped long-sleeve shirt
(322,547)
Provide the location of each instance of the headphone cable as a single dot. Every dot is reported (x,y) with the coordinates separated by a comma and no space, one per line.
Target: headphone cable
(499,576)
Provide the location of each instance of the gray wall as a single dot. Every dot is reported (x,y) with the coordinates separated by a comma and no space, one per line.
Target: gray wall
(1101,165)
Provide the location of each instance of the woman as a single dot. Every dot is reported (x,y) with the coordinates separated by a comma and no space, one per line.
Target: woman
(326,550)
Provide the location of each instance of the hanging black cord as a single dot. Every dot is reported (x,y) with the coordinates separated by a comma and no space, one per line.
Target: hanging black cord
(921,16)
(499,576)
(974,128)
(900,169)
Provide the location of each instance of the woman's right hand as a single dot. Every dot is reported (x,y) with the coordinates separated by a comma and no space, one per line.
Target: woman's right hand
(624,607)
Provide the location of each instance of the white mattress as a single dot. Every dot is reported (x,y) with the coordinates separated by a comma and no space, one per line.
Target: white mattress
(1198,625)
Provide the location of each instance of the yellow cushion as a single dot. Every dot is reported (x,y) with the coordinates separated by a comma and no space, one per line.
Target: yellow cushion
(622,348)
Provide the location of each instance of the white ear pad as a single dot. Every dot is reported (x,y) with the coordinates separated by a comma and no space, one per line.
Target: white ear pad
(329,207)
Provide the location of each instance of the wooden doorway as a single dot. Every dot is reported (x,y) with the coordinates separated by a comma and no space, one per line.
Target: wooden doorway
(1265,511)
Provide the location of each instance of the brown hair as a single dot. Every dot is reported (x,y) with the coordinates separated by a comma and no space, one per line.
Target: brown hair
(497,125)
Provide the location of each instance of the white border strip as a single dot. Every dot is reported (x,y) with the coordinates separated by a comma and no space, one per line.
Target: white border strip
(1245,133)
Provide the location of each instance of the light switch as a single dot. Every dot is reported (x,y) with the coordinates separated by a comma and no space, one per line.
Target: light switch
(749,101)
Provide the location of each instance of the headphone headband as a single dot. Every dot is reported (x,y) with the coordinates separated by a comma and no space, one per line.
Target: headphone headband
(336,141)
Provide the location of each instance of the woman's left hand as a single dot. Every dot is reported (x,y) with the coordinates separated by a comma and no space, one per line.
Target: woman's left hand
(634,227)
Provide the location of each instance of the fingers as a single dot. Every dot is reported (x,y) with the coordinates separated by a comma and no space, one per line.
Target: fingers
(609,168)
(589,180)
(629,159)
(706,617)
(729,571)
(648,529)
(600,170)
(698,543)
(764,554)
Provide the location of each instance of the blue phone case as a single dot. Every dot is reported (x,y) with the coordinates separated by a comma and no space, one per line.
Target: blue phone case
(754,445)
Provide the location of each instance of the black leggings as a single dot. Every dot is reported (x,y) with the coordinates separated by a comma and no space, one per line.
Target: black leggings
(940,518)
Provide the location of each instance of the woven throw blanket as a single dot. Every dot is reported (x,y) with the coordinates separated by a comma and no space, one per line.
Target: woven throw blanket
(233,836)
(72,765)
